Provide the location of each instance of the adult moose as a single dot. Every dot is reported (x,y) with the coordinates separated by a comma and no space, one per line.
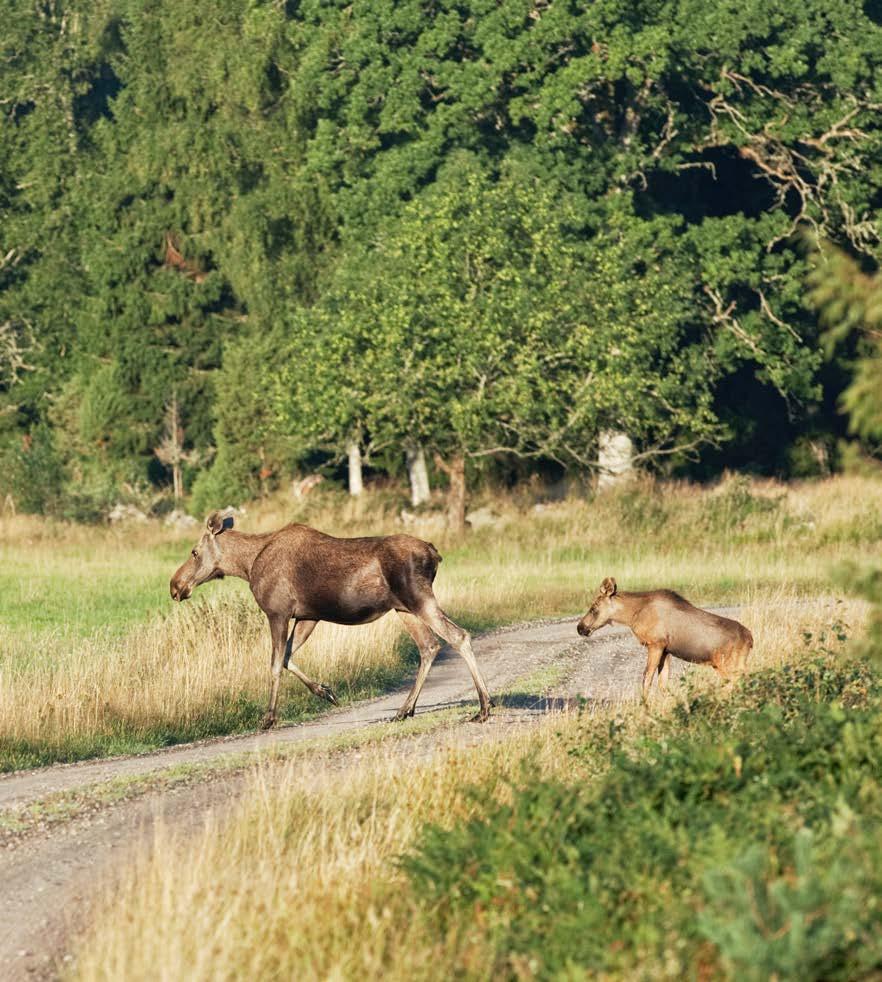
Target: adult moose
(298,573)
(667,624)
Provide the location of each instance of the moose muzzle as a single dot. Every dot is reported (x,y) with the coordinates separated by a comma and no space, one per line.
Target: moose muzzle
(178,590)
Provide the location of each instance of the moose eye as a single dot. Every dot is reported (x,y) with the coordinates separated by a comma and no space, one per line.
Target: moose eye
(194,554)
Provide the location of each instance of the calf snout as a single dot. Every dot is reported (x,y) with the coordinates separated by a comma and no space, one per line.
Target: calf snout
(583,629)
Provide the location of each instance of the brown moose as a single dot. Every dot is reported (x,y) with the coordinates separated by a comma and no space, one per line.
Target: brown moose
(666,624)
(301,574)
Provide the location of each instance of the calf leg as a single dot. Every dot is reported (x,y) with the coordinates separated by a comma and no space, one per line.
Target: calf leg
(654,654)
(428,647)
(664,670)
(434,617)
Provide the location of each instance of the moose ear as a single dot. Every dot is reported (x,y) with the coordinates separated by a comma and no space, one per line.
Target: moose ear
(218,521)
(608,587)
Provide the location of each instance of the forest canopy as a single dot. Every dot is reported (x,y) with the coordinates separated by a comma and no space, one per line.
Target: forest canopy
(238,240)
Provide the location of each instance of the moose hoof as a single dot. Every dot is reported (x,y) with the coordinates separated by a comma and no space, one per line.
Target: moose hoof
(268,721)
(403,714)
(326,693)
(481,716)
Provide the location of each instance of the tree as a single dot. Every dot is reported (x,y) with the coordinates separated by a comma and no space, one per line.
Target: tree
(850,304)
(493,329)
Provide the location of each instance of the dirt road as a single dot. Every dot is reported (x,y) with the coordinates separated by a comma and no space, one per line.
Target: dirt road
(47,880)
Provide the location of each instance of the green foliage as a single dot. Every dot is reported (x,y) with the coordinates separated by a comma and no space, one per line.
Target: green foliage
(483,323)
(850,305)
(731,838)
(175,175)
(253,452)
(32,473)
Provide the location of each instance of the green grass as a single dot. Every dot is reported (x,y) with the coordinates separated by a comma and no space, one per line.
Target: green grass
(78,591)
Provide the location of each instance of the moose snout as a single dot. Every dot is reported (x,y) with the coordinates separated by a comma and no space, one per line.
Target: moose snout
(583,629)
(178,592)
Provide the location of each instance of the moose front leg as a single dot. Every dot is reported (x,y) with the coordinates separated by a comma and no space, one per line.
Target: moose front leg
(664,671)
(279,633)
(283,648)
(654,653)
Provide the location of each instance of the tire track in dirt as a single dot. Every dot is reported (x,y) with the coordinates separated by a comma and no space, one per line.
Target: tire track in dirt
(48,881)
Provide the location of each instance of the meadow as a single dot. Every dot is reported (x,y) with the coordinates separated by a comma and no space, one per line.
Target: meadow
(97,660)
(726,833)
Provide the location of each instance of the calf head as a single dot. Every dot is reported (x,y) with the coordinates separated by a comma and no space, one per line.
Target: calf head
(603,608)
(205,562)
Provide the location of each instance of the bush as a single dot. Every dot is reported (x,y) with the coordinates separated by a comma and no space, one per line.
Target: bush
(726,844)
(226,482)
(32,473)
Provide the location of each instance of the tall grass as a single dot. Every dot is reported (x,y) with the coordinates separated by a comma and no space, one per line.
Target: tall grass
(95,659)
(307,879)
(199,671)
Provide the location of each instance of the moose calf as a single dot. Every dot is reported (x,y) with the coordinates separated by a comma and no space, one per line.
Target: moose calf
(666,624)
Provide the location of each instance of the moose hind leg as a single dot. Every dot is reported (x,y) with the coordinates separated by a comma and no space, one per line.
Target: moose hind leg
(428,647)
(299,637)
(432,615)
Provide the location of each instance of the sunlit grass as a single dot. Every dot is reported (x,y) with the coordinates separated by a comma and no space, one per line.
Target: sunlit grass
(304,881)
(96,659)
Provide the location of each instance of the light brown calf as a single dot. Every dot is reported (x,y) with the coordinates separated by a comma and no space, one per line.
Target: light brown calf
(666,624)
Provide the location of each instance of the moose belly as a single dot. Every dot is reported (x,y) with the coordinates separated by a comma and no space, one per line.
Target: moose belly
(340,613)
(691,653)
(695,646)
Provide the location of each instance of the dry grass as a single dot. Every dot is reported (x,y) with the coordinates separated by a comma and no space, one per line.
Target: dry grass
(201,664)
(91,665)
(303,882)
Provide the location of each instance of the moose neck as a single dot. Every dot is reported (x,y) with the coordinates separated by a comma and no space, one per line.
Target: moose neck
(238,552)
(629,605)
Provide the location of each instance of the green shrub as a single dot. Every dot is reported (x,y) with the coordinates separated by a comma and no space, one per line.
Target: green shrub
(32,473)
(655,863)
(227,482)
(735,503)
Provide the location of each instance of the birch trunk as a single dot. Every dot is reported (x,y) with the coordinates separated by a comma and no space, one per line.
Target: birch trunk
(353,452)
(615,459)
(419,476)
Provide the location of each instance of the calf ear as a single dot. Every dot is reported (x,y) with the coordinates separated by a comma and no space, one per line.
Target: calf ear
(608,587)
(218,521)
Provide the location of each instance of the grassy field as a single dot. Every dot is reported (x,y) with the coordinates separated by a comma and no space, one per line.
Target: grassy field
(725,833)
(96,659)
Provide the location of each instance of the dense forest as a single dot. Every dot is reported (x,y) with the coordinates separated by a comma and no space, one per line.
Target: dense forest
(245,240)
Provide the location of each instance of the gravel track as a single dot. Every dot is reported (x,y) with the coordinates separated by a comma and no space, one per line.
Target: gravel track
(49,880)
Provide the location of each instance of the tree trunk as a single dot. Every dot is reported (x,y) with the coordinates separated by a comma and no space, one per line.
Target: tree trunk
(456,496)
(615,459)
(177,482)
(419,475)
(353,452)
